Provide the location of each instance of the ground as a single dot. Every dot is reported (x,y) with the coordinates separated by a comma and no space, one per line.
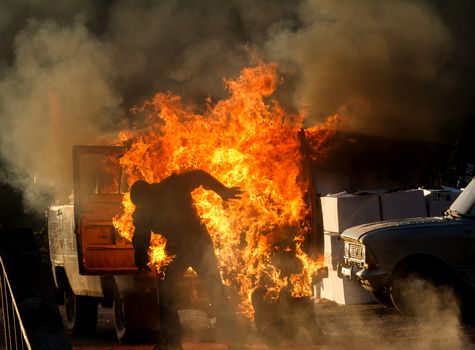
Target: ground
(368,327)
(355,327)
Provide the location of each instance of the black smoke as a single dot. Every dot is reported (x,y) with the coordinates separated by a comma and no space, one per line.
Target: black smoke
(71,70)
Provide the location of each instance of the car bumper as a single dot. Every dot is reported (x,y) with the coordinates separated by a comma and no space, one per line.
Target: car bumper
(372,280)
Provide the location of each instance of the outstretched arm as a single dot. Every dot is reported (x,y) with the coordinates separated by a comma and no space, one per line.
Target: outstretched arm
(197,178)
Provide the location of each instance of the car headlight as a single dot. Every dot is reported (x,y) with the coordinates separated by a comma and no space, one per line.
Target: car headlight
(355,251)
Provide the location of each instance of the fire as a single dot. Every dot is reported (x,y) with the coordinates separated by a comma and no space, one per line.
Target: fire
(247,140)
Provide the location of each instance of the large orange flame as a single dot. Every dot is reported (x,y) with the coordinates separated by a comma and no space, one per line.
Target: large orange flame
(246,140)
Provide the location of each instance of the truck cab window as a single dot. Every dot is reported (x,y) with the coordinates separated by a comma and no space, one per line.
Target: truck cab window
(99,174)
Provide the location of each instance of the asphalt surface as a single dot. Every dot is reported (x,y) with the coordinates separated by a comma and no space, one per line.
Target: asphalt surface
(369,327)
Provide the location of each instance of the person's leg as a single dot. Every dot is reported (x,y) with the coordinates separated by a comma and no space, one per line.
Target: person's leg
(170,328)
(206,266)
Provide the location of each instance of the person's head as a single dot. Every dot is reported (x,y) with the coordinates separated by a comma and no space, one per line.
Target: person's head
(138,191)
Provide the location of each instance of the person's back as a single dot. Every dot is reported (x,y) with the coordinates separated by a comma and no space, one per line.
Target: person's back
(169,211)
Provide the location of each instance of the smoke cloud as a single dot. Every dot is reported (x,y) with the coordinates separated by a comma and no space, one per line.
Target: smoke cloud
(361,327)
(435,324)
(71,70)
(58,93)
(379,62)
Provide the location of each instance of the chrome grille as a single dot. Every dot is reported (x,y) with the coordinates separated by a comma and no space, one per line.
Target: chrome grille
(354,251)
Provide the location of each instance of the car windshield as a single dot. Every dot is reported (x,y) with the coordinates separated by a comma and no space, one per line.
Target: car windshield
(464,204)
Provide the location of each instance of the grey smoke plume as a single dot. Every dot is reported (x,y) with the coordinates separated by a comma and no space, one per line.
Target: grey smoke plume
(58,93)
(70,70)
(379,62)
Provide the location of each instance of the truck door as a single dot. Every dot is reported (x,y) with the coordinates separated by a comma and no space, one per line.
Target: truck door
(98,188)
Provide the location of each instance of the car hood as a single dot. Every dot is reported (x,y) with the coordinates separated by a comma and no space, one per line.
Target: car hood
(357,232)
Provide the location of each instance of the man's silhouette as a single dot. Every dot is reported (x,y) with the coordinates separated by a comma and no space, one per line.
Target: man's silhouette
(167,208)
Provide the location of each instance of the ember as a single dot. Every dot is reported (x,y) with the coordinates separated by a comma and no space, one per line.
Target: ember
(246,140)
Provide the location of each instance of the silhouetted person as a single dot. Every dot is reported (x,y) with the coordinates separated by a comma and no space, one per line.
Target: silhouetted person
(167,208)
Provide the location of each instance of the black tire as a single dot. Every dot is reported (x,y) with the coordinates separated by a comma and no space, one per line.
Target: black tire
(135,321)
(383,298)
(273,332)
(81,313)
(423,294)
(468,308)
(273,322)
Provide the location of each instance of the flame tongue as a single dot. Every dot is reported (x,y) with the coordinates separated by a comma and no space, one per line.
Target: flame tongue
(242,141)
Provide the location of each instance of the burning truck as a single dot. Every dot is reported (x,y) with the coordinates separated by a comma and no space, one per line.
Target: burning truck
(269,244)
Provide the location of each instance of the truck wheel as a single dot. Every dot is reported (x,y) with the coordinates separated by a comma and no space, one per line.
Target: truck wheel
(81,313)
(273,322)
(273,333)
(136,318)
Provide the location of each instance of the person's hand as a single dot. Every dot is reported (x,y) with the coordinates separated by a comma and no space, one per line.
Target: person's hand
(145,268)
(141,261)
(231,193)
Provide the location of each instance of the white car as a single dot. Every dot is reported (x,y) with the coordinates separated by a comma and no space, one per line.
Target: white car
(402,262)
